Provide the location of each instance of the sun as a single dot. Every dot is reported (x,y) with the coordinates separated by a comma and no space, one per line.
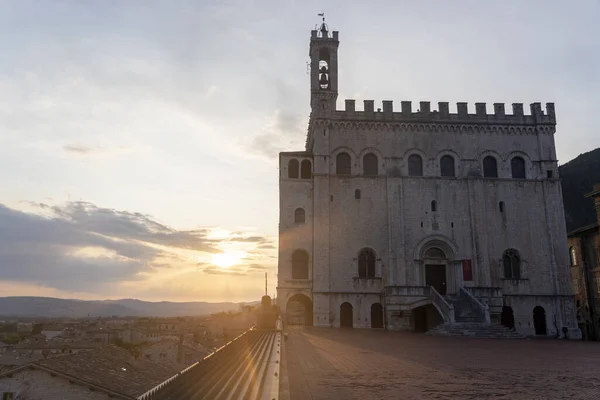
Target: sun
(226,260)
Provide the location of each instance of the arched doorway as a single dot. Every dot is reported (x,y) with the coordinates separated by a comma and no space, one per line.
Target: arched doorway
(426,317)
(435,269)
(346,315)
(507,318)
(539,320)
(299,310)
(376,315)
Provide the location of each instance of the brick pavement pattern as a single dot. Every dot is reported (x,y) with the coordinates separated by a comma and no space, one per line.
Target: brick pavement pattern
(367,364)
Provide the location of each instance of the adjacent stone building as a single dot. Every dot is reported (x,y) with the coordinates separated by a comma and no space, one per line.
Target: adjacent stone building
(104,373)
(388,212)
(584,250)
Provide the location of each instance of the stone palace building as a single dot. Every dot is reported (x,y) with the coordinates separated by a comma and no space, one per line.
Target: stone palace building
(388,215)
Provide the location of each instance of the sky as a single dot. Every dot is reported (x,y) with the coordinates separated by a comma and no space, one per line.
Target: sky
(139,138)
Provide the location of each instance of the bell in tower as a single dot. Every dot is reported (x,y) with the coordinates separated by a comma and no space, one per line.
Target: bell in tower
(323,80)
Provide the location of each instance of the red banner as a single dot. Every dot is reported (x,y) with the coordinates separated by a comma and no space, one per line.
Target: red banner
(467,268)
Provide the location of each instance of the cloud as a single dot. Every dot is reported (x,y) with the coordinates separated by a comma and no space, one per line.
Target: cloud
(78,149)
(83,150)
(79,246)
(236,270)
(283,130)
(267,247)
(257,267)
(133,226)
(231,271)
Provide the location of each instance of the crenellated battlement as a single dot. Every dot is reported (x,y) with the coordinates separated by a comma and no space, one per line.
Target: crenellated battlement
(425,114)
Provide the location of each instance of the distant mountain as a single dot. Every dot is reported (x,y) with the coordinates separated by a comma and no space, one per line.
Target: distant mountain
(578,178)
(52,307)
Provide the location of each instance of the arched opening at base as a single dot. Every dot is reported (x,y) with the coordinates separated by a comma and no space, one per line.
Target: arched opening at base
(346,315)
(507,318)
(299,310)
(425,318)
(376,315)
(539,320)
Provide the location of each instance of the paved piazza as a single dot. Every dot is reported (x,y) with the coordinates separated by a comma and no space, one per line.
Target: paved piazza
(367,364)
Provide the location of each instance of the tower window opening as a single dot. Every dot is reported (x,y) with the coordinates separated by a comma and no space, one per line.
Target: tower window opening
(366,263)
(433,205)
(490,167)
(357,194)
(517,166)
(512,264)
(324,68)
(343,164)
(447,166)
(370,165)
(306,169)
(415,165)
(293,169)
(299,216)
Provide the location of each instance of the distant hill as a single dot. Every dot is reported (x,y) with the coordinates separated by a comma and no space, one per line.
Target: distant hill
(578,178)
(52,307)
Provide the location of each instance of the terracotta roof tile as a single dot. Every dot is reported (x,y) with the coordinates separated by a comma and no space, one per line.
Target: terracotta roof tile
(111,368)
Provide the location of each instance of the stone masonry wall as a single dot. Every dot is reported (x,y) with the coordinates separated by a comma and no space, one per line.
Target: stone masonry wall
(393,215)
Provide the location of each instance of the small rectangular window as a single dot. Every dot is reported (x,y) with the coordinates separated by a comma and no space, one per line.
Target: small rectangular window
(549,173)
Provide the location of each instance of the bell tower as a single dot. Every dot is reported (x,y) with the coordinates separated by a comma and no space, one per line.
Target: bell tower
(323,68)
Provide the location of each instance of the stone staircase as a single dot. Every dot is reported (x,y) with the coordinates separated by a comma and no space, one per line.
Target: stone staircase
(470,323)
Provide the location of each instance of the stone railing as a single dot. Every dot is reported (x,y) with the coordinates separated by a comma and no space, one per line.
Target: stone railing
(482,309)
(479,292)
(412,291)
(445,309)
(245,368)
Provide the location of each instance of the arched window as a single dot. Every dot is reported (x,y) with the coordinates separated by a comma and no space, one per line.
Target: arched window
(293,167)
(299,265)
(357,194)
(299,216)
(433,205)
(415,165)
(490,167)
(512,264)
(343,164)
(447,166)
(501,206)
(573,256)
(366,263)
(517,166)
(370,164)
(306,169)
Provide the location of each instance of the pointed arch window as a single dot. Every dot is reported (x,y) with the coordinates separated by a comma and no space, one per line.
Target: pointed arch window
(293,169)
(490,167)
(300,265)
(447,166)
(512,264)
(299,216)
(517,167)
(366,263)
(370,165)
(343,164)
(415,165)
(306,169)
